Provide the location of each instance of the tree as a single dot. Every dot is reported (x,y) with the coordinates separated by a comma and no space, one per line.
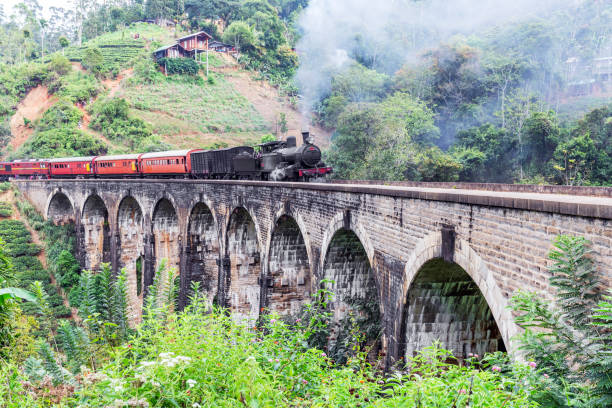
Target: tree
(569,337)
(541,139)
(435,165)
(504,73)
(43,26)
(81,9)
(93,60)
(239,34)
(359,84)
(499,149)
(63,42)
(519,108)
(357,128)
(574,159)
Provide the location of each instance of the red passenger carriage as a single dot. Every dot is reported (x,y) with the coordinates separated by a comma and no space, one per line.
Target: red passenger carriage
(167,164)
(28,168)
(72,167)
(124,165)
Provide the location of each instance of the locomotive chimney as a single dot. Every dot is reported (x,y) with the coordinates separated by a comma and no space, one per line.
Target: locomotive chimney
(305,136)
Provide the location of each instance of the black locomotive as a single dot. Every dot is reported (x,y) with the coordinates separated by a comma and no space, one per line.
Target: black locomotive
(274,161)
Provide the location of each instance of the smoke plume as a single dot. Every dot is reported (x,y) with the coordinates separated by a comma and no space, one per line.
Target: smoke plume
(389,33)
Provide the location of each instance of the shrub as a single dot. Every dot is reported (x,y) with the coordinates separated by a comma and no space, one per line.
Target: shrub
(61,114)
(60,65)
(569,339)
(79,87)
(6,209)
(111,117)
(183,66)
(147,71)
(93,60)
(62,142)
(202,356)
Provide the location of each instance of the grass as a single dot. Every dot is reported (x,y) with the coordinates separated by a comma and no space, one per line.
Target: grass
(175,109)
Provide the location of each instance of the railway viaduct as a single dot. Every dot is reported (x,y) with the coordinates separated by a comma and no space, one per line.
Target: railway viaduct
(427,260)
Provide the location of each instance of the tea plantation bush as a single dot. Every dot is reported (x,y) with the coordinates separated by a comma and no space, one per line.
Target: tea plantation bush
(6,209)
(28,269)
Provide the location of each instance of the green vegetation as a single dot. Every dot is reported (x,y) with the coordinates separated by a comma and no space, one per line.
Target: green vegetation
(570,339)
(57,135)
(106,57)
(200,356)
(206,108)
(182,66)
(26,267)
(59,249)
(6,209)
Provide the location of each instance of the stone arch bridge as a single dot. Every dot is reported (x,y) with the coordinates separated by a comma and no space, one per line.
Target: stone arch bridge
(427,261)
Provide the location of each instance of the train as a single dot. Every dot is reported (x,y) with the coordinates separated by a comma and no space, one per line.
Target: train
(272,161)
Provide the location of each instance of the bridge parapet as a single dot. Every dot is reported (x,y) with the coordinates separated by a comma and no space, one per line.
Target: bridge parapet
(255,245)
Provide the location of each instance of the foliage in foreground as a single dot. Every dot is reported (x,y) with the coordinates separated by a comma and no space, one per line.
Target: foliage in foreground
(201,357)
(571,338)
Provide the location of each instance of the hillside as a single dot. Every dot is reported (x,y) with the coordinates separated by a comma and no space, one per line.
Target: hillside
(228,108)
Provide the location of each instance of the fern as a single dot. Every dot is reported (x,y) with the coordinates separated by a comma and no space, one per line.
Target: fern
(33,369)
(156,289)
(88,300)
(119,304)
(75,344)
(104,293)
(50,364)
(561,337)
(574,279)
(599,368)
(43,308)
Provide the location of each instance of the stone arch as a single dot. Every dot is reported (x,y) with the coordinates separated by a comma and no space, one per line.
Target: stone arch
(165,230)
(347,265)
(60,208)
(131,247)
(458,302)
(96,232)
(288,278)
(203,250)
(242,250)
(344,220)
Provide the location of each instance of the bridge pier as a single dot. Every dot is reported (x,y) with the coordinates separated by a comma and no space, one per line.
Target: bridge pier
(255,245)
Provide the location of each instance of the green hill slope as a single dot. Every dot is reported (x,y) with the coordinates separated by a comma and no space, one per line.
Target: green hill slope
(107,96)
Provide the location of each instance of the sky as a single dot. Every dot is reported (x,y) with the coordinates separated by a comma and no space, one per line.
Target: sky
(8,5)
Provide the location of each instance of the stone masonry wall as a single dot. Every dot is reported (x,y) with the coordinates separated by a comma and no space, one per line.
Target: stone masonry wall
(501,239)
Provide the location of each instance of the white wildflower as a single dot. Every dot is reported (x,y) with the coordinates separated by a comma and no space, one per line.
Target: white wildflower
(196,405)
(191,383)
(146,364)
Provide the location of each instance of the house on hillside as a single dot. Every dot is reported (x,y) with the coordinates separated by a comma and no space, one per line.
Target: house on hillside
(602,69)
(195,43)
(189,46)
(169,51)
(218,46)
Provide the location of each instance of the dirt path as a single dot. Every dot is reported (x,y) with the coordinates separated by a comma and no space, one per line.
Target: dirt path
(32,107)
(267,101)
(9,196)
(114,85)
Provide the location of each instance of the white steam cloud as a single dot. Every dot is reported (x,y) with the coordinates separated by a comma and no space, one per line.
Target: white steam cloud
(391,32)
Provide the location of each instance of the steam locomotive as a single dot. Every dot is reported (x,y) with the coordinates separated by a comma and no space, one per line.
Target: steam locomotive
(274,161)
